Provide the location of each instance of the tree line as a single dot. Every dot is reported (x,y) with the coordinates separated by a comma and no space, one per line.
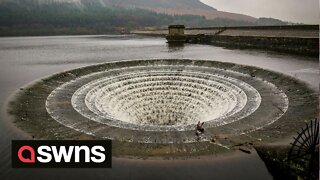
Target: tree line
(28,18)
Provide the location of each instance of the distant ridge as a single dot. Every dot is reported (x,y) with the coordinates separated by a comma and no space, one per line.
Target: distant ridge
(170,7)
(62,17)
(181,7)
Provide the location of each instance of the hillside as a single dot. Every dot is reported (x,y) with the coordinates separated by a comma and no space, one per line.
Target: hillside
(162,4)
(51,17)
(180,7)
(170,7)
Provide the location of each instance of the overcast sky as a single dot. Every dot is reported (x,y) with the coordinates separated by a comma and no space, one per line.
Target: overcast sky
(305,11)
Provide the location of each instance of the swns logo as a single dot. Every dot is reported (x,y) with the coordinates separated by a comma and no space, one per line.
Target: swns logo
(61,154)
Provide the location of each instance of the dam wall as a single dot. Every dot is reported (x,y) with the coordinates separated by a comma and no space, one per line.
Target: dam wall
(291,45)
(293,39)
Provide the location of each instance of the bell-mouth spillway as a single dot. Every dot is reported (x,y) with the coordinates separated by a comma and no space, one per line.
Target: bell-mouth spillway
(166,98)
(161,102)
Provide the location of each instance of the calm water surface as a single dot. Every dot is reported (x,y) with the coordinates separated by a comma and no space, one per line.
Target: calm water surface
(24,59)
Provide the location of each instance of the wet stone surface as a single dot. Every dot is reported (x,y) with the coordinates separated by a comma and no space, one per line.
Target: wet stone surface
(147,103)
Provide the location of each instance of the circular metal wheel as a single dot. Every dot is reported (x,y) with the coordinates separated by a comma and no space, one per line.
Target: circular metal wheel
(304,148)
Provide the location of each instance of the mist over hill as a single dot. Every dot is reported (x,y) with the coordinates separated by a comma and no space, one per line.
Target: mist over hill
(50,17)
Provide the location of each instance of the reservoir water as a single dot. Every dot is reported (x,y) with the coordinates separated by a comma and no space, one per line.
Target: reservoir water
(25,59)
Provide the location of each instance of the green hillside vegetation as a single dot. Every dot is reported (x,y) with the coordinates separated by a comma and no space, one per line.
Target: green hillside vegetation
(29,17)
(182,4)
